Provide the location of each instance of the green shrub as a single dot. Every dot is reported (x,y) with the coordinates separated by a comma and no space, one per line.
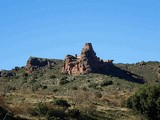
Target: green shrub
(64,78)
(73,113)
(92,85)
(24,80)
(84,88)
(63,81)
(52,76)
(98,95)
(36,86)
(106,83)
(40,109)
(88,81)
(56,114)
(74,88)
(55,90)
(146,101)
(10,88)
(44,87)
(34,76)
(60,111)
(61,103)
(25,74)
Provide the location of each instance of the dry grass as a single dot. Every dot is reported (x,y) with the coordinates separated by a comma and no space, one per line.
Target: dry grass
(108,99)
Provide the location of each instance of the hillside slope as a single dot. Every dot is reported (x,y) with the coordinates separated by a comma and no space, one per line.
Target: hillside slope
(100,96)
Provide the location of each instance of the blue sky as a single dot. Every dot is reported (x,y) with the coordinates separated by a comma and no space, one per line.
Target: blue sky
(126,31)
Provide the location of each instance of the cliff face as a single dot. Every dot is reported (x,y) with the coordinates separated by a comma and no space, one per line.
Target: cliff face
(35,63)
(87,62)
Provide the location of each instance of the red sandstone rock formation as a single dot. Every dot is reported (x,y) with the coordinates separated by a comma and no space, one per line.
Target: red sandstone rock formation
(87,62)
(35,63)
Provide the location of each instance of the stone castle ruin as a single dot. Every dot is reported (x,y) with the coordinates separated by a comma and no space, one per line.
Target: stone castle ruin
(86,63)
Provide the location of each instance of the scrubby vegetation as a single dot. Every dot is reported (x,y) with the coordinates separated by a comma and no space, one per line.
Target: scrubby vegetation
(48,94)
(146,101)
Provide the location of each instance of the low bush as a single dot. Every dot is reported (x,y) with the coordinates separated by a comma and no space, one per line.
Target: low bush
(55,90)
(10,88)
(63,81)
(73,113)
(40,109)
(98,95)
(44,87)
(64,78)
(61,103)
(25,74)
(92,85)
(84,88)
(74,88)
(52,76)
(106,83)
(36,86)
(56,114)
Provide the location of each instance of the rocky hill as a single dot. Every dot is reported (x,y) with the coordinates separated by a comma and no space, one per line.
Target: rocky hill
(81,87)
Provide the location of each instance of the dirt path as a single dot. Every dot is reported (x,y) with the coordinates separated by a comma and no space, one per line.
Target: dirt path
(104,108)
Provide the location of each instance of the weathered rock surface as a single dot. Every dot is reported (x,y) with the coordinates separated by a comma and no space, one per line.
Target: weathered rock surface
(35,63)
(5,73)
(87,62)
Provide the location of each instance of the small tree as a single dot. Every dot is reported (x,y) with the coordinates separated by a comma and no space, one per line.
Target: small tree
(146,101)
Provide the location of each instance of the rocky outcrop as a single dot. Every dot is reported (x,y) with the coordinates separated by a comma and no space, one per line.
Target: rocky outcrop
(35,63)
(5,73)
(87,62)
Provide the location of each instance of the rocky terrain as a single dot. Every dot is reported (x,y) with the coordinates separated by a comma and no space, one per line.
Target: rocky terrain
(35,63)
(80,87)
